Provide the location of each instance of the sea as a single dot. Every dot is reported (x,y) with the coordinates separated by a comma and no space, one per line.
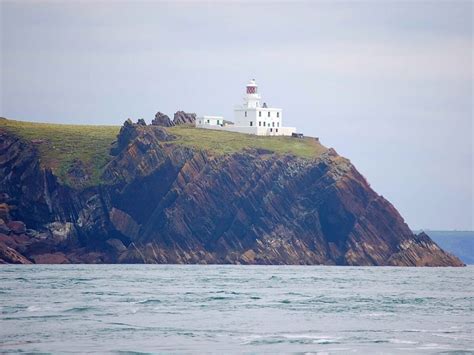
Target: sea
(139,309)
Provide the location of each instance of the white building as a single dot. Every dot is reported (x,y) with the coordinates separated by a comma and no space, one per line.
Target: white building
(251,117)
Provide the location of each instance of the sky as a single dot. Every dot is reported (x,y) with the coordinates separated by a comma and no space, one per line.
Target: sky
(387,84)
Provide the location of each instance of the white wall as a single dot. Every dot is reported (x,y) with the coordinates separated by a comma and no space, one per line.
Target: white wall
(260,131)
(209,121)
(258,115)
(241,120)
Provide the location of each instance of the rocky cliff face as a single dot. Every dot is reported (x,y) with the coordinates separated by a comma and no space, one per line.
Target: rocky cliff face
(166,203)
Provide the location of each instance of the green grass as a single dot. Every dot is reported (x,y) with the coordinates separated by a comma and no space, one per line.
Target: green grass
(220,142)
(60,145)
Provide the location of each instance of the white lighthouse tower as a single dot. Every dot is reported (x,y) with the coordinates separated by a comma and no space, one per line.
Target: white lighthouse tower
(252,98)
(251,117)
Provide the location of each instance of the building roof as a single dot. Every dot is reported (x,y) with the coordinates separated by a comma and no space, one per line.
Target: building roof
(252,83)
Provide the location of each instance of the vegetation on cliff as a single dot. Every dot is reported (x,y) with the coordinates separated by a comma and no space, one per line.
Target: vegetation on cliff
(64,148)
(223,142)
(60,146)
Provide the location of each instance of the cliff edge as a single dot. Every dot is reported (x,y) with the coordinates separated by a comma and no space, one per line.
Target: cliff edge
(178,195)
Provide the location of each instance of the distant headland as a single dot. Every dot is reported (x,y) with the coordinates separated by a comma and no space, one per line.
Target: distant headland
(169,192)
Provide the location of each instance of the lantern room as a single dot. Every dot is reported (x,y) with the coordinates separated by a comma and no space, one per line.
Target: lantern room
(252,87)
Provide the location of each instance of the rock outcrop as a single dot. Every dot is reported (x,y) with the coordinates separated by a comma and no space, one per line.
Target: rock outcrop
(11,256)
(167,203)
(181,117)
(162,120)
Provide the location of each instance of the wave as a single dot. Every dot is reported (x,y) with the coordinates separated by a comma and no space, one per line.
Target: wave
(150,301)
(80,309)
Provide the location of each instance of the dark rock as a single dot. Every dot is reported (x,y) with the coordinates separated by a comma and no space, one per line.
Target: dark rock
(93,221)
(162,135)
(62,233)
(141,122)
(133,255)
(124,223)
(127,133)
(3,227)
(31,233)
(5,211)
(43,236)
(23,181)
(11,256)
(162,120)
(181,117)
(51,258)
(17,227)
(8,240)
(94,258)
(17,242)
(85,256)
(421,251)
(117,245)
(78,173)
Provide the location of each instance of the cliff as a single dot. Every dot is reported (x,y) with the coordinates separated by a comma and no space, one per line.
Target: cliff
(177,194)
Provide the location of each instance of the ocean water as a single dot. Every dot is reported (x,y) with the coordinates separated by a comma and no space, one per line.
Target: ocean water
(229,309)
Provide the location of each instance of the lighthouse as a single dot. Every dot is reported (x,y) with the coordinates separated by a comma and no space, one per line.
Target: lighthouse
(251,117)
(252,98)
(267,121)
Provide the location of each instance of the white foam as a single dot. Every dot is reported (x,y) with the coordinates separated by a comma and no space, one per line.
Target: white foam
(430,346)
(33,308)
(402,341)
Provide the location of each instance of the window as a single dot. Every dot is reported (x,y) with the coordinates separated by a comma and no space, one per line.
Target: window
(264,123)
(199,121)
(278,114)
(251,123)
(278,124)
(245,113)
(259,113)
(276,130)
(268,113)
(273,124)
(217,121)
(208,121)
(270,129)
(260,123)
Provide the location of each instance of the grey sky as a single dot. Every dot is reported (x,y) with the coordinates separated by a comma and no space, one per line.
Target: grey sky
(387,84)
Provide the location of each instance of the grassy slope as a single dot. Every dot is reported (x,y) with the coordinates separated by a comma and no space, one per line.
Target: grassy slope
(221,142)
(59,144)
